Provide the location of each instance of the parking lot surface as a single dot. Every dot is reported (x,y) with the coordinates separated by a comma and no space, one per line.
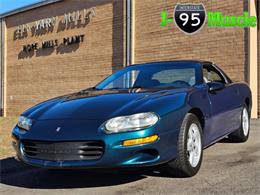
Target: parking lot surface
(227,168)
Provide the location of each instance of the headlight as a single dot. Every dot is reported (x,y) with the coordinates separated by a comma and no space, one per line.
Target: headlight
(24,123)
(131,122)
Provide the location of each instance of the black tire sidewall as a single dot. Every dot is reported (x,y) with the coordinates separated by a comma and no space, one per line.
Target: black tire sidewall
(191,118)
(242,135)
(238,135)
(181,165)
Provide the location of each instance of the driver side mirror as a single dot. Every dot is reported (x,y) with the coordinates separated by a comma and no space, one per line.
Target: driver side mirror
(214,86)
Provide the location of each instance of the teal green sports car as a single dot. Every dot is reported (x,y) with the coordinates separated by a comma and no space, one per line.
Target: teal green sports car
(162,113)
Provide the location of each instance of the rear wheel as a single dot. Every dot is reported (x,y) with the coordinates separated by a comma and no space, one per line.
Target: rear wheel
(241,135)
(189,148)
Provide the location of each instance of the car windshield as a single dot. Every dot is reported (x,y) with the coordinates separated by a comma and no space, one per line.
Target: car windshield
(151,76)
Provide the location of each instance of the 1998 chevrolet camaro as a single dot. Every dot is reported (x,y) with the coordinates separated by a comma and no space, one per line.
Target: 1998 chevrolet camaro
(161,113)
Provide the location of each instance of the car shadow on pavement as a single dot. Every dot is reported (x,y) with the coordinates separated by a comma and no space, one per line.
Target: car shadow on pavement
(228,141)
(18,174)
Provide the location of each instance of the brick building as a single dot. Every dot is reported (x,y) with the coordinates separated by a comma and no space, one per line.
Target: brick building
(60,46)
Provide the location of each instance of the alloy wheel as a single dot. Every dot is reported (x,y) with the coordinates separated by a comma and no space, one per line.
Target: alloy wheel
(194,145)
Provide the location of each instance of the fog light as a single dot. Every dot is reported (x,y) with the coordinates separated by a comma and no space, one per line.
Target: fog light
(139,141)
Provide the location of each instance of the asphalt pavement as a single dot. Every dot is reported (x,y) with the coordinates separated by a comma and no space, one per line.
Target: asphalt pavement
(227,168)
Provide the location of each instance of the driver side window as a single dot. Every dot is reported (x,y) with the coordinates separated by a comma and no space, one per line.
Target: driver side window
(211,75)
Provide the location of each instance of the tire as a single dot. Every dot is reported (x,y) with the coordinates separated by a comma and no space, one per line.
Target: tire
(242,134)
(183,165)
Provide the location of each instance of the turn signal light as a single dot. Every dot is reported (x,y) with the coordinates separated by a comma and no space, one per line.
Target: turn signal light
(140,141)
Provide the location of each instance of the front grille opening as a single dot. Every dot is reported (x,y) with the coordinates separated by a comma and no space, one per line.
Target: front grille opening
(53,151)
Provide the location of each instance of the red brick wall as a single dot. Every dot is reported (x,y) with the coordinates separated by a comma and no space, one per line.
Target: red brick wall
(36,78)
(227,47)
(45,74)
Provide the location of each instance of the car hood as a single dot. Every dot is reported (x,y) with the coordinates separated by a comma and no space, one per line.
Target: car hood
(104,104)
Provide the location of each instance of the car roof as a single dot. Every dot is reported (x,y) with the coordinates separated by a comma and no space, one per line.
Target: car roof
(202,62)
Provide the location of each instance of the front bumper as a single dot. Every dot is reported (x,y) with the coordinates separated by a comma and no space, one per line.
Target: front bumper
(114,154)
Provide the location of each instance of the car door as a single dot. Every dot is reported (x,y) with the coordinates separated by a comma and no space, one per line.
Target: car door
(223,108)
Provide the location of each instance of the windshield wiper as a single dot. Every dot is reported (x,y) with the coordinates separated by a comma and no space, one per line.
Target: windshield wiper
(114,88)
(136,87)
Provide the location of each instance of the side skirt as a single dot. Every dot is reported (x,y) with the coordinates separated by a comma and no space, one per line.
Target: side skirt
(218,139)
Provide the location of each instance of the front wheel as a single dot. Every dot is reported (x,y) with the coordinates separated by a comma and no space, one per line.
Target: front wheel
(189,148)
